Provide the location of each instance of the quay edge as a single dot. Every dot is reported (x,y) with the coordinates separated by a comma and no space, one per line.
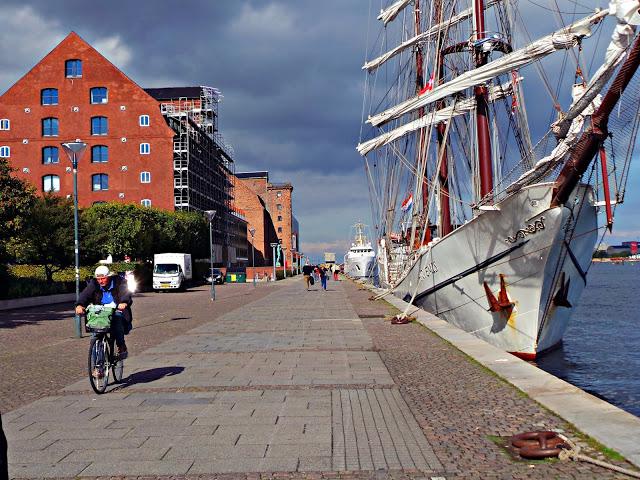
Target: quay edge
(609,425)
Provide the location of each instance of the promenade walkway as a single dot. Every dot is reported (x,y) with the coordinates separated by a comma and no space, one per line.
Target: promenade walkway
(293,382)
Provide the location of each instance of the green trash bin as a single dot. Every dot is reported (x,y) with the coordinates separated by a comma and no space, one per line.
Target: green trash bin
(236,277)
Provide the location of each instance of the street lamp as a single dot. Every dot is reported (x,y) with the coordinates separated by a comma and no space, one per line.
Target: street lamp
(74,151)
(210,214)
(252,231)
(273,246)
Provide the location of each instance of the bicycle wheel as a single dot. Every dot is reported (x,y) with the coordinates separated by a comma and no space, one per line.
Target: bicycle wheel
(98,367)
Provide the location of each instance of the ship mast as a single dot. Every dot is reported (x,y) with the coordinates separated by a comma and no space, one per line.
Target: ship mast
(482,109)
(420,153)
(443,173)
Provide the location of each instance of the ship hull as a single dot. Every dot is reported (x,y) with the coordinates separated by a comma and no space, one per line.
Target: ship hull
(359,266)
(532,258)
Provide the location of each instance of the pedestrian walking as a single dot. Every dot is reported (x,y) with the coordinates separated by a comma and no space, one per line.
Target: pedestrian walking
(323,277)
(334,267)
(307,271)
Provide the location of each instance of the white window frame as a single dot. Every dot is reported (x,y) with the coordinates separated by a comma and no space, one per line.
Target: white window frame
(145,177)
(104,100)
(5,151)
(5,122)
(145,202)
(52,185)
(142,119)
(145,148)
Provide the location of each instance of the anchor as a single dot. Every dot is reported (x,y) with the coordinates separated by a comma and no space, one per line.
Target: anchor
(502,303)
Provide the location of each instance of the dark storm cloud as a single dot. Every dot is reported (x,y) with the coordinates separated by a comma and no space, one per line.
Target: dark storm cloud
(289,72)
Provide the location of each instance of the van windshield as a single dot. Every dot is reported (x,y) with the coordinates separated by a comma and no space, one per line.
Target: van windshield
(168,268)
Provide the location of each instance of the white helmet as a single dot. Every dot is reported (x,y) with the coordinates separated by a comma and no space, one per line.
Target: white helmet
(101,271)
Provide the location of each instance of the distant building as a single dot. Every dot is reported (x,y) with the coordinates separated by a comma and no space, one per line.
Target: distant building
(278,200)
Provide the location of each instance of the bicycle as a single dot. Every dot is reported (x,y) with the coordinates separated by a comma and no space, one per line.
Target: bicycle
(102,357)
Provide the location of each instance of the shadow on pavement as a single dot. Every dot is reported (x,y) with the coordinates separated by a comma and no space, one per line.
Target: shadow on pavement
(148,376)
(33,315)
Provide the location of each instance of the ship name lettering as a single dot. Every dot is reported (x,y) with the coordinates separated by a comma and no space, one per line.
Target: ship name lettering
(530,229)
(428,270)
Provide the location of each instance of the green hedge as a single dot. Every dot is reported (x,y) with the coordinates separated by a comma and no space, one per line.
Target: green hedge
(30,280)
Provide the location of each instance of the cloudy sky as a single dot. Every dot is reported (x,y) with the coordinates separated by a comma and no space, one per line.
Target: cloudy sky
(289,71)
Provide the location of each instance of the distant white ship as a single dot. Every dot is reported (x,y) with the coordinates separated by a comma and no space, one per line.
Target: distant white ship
(360,260)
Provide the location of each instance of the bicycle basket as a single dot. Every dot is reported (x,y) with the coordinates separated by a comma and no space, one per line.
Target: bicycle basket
(99,318)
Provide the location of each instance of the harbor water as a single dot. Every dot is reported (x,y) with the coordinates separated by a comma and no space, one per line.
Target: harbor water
(601,348)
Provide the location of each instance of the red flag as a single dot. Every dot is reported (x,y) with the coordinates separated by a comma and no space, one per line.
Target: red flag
(428,87)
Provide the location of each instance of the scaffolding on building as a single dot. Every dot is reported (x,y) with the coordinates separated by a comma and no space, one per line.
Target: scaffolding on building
(203,166)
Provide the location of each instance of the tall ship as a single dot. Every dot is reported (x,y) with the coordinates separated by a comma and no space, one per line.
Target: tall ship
(497,138)
(360,260)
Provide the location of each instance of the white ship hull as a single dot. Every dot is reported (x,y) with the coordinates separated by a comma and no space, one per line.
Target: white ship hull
(523,241)
(360,266)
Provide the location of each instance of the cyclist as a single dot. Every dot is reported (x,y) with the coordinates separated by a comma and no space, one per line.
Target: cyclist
(111,290)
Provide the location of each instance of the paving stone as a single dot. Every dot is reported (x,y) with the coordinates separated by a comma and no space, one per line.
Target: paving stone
(136,468)
(45,470)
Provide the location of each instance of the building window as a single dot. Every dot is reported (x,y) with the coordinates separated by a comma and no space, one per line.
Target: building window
(50,127)
(279,206)
(99,154)
(99,95)
(5,152)
(145,202)
(278,194)
(50,155)
(49,96)
(145,177)
(99,125)
(279,218)
(99,181)
(145,148)
(144,120)
(51,183)
(279,229)
(5,124)
(73,68)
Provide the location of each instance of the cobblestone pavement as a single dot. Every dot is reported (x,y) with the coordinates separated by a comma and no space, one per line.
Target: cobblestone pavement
(39,353)
(465,412)
(292,382)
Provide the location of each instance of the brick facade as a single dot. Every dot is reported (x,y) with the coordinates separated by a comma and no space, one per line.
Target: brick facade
(123,106)
(257,217)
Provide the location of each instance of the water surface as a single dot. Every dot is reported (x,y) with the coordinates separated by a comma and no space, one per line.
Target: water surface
(601,352)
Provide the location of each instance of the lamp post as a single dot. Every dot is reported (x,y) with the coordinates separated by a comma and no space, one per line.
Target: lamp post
(74,151)
(210,215)
(273,247)
(252,231)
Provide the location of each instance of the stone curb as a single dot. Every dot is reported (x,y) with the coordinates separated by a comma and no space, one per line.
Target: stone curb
(606,423)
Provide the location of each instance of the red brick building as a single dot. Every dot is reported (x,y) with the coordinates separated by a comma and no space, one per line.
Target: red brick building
(74,93)
(259,218)
(279,204)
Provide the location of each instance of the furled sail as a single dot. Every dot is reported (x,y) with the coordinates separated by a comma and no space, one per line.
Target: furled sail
(392,11)
(460,107)
(560,40)
(424,36)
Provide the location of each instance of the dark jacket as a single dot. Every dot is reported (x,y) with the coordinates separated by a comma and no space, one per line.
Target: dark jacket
(92,294)
(307,270)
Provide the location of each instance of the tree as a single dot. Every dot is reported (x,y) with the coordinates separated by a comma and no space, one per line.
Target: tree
(16,200)
(47,238)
